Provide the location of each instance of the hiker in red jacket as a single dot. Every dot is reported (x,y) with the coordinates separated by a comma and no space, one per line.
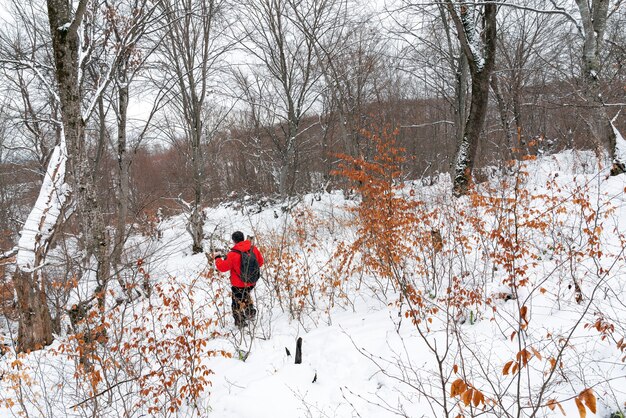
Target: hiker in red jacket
(243,308)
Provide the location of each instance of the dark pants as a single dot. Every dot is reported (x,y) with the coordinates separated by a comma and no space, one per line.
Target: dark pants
(243,308)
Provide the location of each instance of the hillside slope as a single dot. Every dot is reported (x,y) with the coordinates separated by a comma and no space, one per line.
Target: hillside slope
(511,300)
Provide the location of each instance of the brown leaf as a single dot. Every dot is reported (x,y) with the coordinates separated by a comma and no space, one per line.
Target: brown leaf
(553,403)
(467,396)
(507,367)
(523,357)
(455,369)
(536,353)
(589,398)
(581,408)
(478,398)
(553,362)
(523,311)
(458,387)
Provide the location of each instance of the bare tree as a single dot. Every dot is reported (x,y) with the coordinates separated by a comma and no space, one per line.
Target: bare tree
(350,55)
(522,35)
(432,55)
(128,23)
(26,65)
(192,54)
(280,89)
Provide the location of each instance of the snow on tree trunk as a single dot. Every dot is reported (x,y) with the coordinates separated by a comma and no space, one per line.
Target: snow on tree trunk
(480,52)
(620,152)
(43,218)
(35,323)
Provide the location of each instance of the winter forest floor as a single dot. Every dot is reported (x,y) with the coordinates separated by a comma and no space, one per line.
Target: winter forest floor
(506,303)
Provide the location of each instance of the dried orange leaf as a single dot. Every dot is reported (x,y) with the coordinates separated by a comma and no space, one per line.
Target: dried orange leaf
(458,387)
(523,357)
(581,408)
(553,362)
(553,403)
(589,398)
(455,369)
(478,398)
(467,396)
(536,353)
(507,367)
(523,311)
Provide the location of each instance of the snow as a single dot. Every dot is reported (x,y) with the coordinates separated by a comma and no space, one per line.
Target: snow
(42,219)
(620,145)
(365,356)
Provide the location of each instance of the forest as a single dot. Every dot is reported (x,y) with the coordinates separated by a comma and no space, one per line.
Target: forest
(453,169)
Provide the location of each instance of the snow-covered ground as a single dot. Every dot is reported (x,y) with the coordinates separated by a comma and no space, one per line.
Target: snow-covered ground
(361,354)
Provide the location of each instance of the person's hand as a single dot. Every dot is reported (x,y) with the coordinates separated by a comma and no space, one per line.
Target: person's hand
(213,256)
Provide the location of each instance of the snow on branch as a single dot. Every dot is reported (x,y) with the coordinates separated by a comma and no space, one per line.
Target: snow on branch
(42,220)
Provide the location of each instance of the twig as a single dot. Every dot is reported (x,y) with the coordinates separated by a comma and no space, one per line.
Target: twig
(110,388)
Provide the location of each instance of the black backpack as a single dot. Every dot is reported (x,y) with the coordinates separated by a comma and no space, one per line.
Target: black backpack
(250,269)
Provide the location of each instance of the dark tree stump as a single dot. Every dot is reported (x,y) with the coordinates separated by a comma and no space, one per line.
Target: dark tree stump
(299,351)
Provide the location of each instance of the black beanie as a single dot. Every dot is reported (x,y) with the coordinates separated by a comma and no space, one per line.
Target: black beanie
(237,236)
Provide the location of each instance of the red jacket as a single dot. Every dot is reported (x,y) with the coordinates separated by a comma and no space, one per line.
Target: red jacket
(232,262)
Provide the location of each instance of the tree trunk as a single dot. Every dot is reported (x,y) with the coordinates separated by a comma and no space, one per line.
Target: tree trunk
(287,169)
(35,321)
(466,152)
(64,24)
(594,17)
(460,95)
(196,221)
(123,166)
(38,232)
(81,172)
(504,114)
(285,181)
(481,60)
